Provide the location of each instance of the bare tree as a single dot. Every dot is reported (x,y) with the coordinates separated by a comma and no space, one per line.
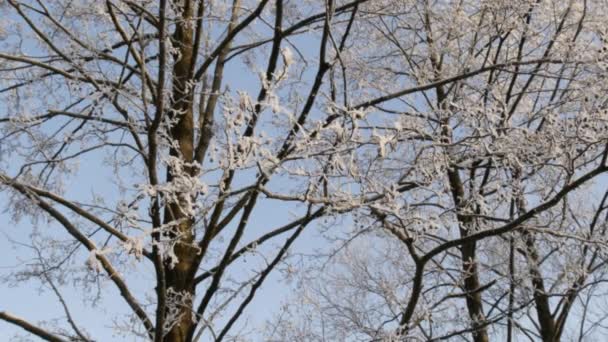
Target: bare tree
(453,150)
(498,126)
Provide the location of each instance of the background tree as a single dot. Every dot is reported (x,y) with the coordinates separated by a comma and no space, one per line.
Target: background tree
(495,114)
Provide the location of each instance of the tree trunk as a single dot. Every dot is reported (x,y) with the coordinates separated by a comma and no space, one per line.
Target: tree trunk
(179,277)
(472,286)
(469,264)
(546,322)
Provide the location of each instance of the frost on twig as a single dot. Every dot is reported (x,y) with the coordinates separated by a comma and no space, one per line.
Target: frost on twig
(176,302)
(183,188)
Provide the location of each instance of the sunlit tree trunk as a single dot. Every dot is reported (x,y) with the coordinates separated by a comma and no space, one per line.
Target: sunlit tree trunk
(179,274)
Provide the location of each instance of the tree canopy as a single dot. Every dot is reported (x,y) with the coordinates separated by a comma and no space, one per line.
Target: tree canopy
(406,170)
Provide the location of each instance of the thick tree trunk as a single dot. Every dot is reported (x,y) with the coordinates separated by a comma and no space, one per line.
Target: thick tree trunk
(472,286)
(179,277)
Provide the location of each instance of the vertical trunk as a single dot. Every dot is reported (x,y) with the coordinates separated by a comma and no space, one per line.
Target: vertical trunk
(472,286)
(511,290)
(546,322)
(468,250)
(179,277)
(469,264)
